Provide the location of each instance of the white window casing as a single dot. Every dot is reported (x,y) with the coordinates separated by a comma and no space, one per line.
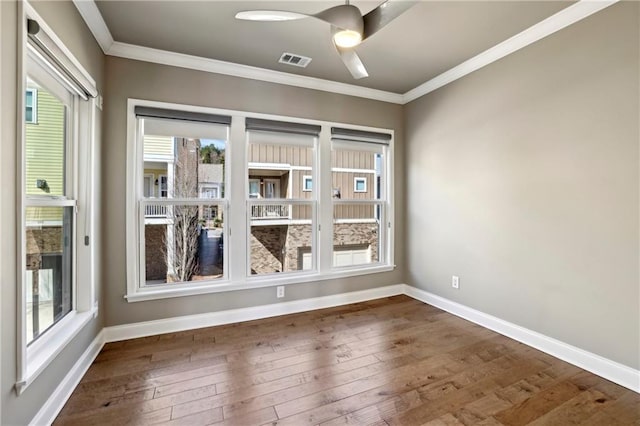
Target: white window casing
(238,202)
(45,59)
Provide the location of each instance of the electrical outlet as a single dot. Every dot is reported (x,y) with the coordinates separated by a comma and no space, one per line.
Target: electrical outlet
(280,291)
(455,282)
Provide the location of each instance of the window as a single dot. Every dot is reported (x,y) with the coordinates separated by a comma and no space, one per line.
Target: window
(57,297)
(31,106)
(180,235)
(276,201)
(282,218)
(307,183)
(359,217)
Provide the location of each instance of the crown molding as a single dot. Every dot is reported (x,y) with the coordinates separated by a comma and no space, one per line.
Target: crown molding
(92,16)
(181,60)
(570,15)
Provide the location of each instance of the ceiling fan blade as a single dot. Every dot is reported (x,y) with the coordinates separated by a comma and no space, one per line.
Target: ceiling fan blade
(269,15)
(352,62)
(346,17)
(375,20)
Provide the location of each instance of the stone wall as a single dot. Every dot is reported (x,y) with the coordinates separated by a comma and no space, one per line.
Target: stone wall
(298,242)
(155,252)
(270,245)
(267,244)
(42,240)
(361,234)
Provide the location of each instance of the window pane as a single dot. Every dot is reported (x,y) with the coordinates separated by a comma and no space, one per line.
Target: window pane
(357,174)
(356,234)
(48,267)
(281,238)
(277,171)
(184,160)
(183,243)
(45,146)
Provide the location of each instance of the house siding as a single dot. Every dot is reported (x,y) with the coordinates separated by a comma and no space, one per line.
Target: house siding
(158,146)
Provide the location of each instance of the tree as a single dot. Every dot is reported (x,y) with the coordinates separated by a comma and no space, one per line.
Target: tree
(211,154)
(181,239)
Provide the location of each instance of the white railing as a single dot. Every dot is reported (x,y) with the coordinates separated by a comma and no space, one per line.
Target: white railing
(154,210)
(270,212)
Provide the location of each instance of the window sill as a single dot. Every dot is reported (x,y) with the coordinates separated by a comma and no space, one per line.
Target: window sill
(251,283)
(49,346)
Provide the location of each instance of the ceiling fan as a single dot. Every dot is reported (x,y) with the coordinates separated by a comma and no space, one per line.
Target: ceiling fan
(349,27)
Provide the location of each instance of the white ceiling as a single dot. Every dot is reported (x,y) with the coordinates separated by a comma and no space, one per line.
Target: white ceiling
(430,38)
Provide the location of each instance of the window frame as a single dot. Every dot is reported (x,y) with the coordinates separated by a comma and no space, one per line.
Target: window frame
(33,106)
(305,179)
(136,201)
(236,191)
(355,184)
(81,133)
(380,202)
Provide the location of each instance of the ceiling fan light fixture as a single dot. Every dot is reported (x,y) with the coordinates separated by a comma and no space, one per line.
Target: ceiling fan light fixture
(347,38)
(268,15)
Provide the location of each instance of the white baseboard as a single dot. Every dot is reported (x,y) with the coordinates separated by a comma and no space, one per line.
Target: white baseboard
(189,322)
(50,410)
(610,370)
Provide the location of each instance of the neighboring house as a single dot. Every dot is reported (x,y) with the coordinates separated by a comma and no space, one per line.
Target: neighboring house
(281,235)
(210,185)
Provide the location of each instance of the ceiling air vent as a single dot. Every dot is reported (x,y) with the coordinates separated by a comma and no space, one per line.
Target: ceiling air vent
(293,59)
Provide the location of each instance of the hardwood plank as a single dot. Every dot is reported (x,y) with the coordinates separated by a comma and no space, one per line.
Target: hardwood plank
(535,406)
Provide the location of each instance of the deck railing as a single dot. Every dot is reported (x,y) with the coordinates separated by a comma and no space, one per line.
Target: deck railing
(154,210)
(270,212)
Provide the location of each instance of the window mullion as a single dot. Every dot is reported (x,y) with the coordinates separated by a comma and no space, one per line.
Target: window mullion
(325,205)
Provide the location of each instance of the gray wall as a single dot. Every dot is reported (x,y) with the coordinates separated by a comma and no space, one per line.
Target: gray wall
(67,23)
(524,181)
(142,80)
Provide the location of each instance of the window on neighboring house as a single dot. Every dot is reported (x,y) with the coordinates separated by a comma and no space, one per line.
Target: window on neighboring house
(282,219)
(164,186)
(180,236)
(360,224)
(209,192)
(307,183)
(57,294)
(31,105)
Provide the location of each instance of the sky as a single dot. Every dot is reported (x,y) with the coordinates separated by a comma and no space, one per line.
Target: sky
(217,143)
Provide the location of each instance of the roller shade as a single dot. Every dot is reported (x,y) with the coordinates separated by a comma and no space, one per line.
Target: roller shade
(67,67)
(257,124)
(171,114)
(338,133)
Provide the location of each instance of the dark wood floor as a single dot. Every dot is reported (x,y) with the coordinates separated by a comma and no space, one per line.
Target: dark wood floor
(393,361)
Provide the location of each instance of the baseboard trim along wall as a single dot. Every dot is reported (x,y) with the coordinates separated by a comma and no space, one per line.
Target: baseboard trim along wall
(610,370)
(616,372)
(48,412)
(189,322)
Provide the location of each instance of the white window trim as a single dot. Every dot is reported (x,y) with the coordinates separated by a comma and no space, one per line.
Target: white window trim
(355,184)
(236,224)
(305,178)
(34,359)
(34,106)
